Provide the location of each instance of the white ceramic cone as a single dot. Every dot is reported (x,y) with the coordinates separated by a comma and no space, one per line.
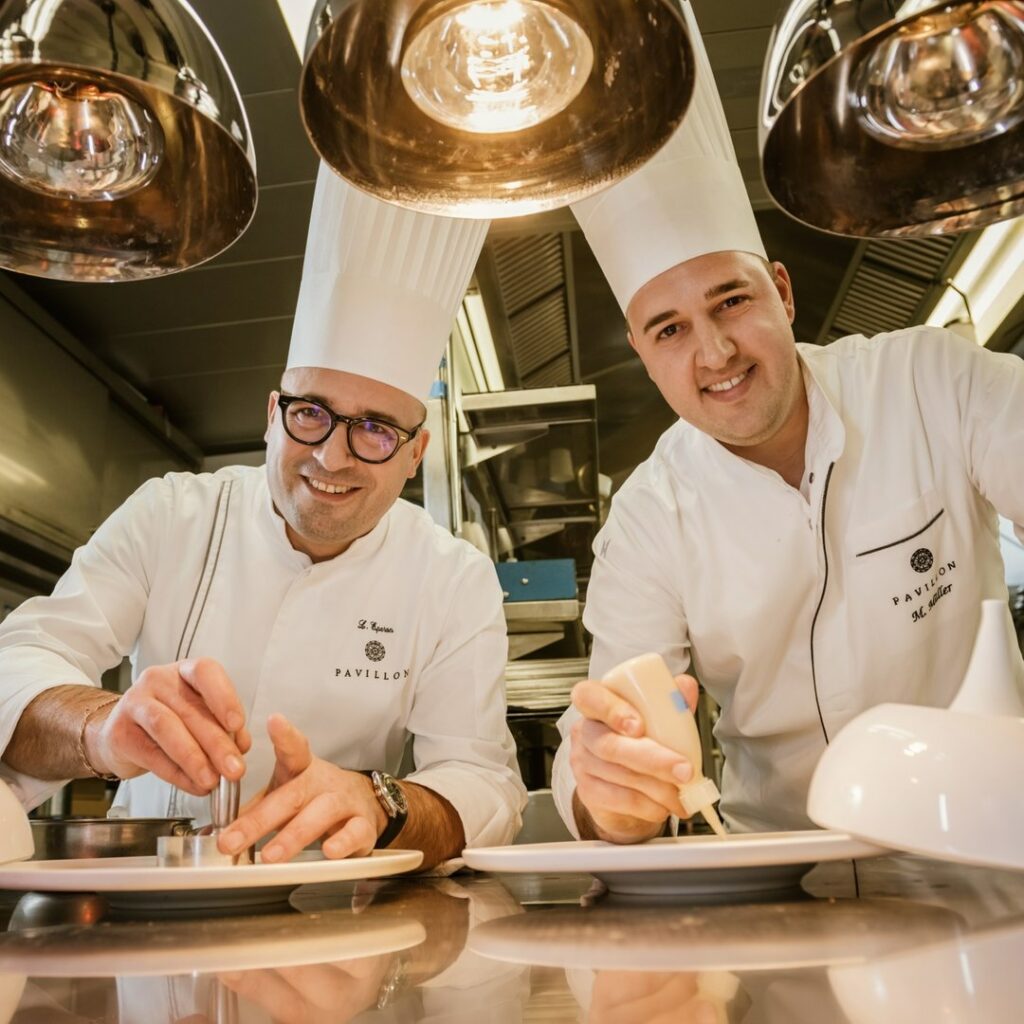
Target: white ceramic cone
(994,681)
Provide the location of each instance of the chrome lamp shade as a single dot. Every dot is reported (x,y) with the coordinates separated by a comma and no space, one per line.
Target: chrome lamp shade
(125,152)
(882,118)
(406,99)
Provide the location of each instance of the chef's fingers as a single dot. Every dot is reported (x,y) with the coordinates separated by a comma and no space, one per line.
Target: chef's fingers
(623,992)
(644,755)
(605,798)
(243,740)
(291,748)
(168,733)
(323,986)
(220,749)
(288,803)
(356,838)
(690,689)
(320,816)
(269,991)
(595,701)
(138,747)
(208,678)
(665,794)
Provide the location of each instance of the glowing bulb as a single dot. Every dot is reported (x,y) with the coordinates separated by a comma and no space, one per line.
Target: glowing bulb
(75,140)
(945,80)
(497,65)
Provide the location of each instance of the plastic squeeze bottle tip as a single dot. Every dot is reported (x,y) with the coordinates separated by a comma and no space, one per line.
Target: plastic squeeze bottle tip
(648,685)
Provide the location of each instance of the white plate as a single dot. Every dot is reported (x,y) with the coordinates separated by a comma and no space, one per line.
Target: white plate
(791,935)
(709,865)
(141,883)
(217,945)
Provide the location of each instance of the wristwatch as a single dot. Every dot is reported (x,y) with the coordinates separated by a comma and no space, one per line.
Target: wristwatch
(392,799)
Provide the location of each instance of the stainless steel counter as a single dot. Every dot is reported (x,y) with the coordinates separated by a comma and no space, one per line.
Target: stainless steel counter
(905,940)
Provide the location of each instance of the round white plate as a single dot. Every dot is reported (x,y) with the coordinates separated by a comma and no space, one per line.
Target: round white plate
(790,935)
(141,883)
(217,945)
(703,865)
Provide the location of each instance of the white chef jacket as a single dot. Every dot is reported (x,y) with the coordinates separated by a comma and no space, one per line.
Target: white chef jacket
(797,611)
(402,634)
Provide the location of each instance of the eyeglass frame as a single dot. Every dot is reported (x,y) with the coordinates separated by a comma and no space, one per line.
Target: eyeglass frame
(404,436)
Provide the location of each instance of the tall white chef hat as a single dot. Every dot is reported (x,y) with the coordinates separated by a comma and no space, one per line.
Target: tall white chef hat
(380,286)
(688,200)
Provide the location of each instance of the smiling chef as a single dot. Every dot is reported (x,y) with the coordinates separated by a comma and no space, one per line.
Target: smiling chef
(297,622)
(815,534)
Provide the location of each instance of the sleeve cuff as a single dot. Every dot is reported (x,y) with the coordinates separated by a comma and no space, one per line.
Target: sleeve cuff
(490,809)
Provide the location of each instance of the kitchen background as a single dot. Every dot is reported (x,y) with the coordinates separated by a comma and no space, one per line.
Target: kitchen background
(547,410)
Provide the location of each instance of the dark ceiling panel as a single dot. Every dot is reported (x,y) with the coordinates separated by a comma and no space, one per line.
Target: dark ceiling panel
(254,40)
(736,51)
(221,411)
(716,16)
(155,356)
(279,227)
(283,153)
(203,296)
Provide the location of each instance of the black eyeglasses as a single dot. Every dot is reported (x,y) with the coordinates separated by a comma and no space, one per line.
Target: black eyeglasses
(369,439)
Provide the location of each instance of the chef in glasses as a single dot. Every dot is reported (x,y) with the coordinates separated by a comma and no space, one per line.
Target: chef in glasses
(294,625)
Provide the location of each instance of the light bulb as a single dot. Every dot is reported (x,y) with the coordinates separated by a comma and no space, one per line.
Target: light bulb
(945,80)
(76,140)
(497,65)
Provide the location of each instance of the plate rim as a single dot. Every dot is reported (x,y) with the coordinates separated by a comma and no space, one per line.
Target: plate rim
(143,874)
(683,853)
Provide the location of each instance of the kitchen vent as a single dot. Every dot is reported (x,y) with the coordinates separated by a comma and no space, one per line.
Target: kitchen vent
(888,283)
(530,274)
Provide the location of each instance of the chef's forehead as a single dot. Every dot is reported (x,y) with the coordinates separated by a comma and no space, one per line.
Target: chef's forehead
(352,394)
(712,266)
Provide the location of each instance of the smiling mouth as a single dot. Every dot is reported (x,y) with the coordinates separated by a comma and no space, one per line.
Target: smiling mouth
(323,487)
(724,386)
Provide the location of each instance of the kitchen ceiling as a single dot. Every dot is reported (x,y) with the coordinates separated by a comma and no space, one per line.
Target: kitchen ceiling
(207,345)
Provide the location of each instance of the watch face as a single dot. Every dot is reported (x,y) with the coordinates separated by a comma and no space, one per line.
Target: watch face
(391,792)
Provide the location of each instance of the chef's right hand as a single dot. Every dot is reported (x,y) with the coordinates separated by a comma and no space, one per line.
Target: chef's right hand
(175,721)
(627,784)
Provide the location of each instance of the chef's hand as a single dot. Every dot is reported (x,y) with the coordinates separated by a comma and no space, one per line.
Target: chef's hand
(624,997)
(318,994)
(175,721)
(626,783)
(307,799)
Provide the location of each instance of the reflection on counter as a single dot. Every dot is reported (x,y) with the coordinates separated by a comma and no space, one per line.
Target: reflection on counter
(923,941)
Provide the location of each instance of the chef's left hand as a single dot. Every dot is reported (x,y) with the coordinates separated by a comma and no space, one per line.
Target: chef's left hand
(307,799)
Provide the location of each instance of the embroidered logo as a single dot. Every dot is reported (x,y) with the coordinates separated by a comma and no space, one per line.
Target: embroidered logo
(374,650)
(921,560)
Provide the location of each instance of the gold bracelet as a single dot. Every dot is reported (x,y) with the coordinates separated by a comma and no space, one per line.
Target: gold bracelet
(83,756)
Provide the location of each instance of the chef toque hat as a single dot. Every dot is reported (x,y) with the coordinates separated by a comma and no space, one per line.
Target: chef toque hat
(688,200)
(380,286)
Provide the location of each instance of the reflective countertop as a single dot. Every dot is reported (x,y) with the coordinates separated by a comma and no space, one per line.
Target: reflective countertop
(899,939)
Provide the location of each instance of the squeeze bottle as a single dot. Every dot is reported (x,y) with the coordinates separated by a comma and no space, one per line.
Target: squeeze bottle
(646,683)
